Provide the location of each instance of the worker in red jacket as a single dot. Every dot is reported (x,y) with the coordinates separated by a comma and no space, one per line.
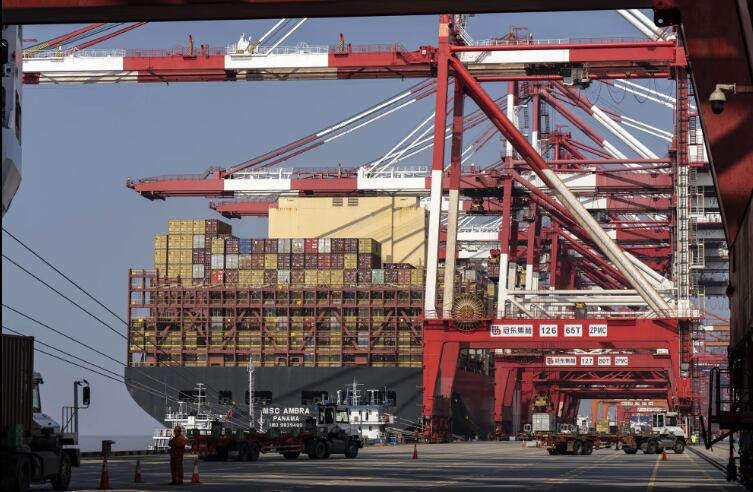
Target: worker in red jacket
(177,449)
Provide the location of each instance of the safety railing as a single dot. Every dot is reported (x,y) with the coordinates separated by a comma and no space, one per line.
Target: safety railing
(260,50)
(396,172)
(555,41)
(58,54)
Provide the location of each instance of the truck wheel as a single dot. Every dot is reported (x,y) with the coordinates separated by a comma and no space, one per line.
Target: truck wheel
(552,451)
(577,447)
(679,446)
(320,450)
(63,478)
(588,447)
(351,450)
(253,451)
(291,455)
(630,450)
(244,453)
(22,481)
(651,447)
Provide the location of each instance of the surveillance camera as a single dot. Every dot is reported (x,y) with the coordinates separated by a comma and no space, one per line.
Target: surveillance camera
(718,97)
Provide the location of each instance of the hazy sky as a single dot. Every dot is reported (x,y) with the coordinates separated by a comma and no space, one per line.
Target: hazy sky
(81,143)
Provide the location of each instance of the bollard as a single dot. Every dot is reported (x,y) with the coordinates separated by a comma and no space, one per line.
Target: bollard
(663,455)
(195,475)
(415,451)
(104,477)
(137,476)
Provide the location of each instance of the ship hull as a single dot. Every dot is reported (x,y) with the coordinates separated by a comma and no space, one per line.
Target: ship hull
(473,399)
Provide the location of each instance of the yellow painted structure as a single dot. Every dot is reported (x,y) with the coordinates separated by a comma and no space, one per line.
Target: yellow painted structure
(399,223)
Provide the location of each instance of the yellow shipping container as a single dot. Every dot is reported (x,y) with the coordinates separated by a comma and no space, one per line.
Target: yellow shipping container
(198,226)
(160,241)
(218,246)
(173,271)
(257,277)
(186,271)
(417,277)
(185,256)
(336,277)
(270,261)
(350,261)
(490,289)
(311,277)
(323,277)
(173,226)
(173,241)
(186,282)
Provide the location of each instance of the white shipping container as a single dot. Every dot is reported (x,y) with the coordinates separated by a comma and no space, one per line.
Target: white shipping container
(542,422)
(218,262)
(283,245)
(198,241)
(231,262)
(297,246)
(283,276)
(198,270)
(325,245)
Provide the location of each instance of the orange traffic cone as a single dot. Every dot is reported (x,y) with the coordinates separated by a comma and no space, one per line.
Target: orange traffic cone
(415,451)
(137,476)
(663,455)
(104,477)
(195,476)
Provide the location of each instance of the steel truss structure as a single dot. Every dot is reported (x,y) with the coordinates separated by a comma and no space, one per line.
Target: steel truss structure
(595,226)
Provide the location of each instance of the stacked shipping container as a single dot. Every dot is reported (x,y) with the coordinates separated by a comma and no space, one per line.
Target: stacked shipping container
(214,299)
(204,252)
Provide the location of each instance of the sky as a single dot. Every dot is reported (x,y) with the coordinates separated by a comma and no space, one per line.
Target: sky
(81,143)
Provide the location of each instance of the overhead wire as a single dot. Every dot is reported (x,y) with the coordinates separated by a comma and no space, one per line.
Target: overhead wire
(175,364)
(121,379)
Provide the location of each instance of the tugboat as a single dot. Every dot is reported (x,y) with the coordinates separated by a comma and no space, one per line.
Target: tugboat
(191,416)
(370,414)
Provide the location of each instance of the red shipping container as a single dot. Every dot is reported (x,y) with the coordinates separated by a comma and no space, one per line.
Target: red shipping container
(197,256)
(311,245)
(390,276)
(270,277)
(364,277)
(311,261)
(270,246)
(232,246)
(351,245)
(350,277)
(231,277)
(337,261)
(283,261)
(297,261)
(18,372)
(324,261)
(368,261)
(297,277)
(403,277)
(217,277)
(213,227)
(257,261)
(338,245)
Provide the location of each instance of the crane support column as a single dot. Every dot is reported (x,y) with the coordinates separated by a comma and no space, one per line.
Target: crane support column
(558,187)
(504,246)
(437,170)
(456,152)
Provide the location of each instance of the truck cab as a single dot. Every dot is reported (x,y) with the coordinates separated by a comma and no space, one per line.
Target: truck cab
(667,424)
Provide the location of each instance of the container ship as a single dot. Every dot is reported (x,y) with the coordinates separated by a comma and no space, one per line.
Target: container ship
(333,296)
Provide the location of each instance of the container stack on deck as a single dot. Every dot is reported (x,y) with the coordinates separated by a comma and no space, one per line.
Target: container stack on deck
(213,299)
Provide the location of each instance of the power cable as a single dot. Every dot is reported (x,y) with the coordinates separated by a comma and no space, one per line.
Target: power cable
(65,297)
(141,386)
(39,257)
(175,364)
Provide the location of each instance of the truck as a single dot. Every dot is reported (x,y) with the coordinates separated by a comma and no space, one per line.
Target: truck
(569,440)
(663,434)
(35,448)
(329,433)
